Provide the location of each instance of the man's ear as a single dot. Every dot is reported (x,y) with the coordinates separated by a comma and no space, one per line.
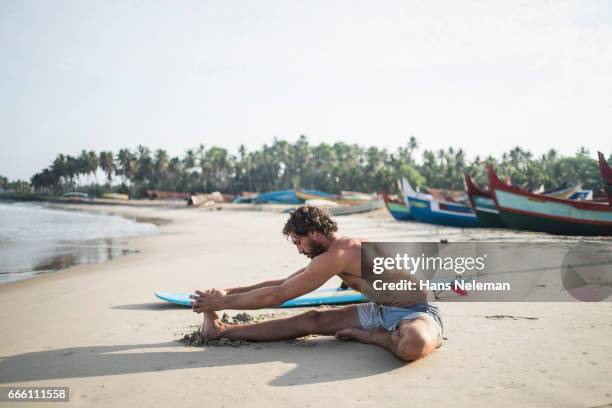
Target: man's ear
(313,234)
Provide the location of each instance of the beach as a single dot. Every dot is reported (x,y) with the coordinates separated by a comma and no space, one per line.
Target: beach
(99,330)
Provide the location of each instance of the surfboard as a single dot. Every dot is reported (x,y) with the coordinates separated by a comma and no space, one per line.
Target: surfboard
(326,296)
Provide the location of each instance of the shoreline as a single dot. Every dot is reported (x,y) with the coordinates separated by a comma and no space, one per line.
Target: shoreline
(124,242)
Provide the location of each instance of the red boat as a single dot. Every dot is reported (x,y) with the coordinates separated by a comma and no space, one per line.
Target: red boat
(523,210)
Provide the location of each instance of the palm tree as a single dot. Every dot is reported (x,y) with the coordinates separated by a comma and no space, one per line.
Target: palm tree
(127,165)
(107,163)
(161,165)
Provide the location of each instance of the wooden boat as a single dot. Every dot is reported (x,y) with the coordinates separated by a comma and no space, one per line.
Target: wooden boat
(567,192)
(210,198)
(425,208)
(523,210)
(77,196)
(319,202)
(487,213)
(451,196)
(357,195)
(483,204)
(246,197)
(290,196)
(606,174)
(397,208)
(166,195)
(115,196)
(305,195)
(356,209)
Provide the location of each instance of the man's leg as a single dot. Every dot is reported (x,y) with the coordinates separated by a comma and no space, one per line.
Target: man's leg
(326,322)
(412,340)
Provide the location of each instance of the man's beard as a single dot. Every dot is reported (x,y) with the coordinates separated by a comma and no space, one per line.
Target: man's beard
(315,249)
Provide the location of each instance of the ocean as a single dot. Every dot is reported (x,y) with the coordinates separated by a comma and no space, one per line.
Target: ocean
(36,240)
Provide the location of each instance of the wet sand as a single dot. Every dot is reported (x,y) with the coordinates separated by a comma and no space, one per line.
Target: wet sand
(99,330)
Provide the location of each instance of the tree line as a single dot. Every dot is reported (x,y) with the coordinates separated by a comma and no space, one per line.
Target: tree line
(284,165)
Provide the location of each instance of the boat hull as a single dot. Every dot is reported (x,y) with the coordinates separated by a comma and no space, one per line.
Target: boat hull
(555,217)
(523,210)
(316,195)
(487,213)
(356,209)
(438,213)
(537,223)
(399,211)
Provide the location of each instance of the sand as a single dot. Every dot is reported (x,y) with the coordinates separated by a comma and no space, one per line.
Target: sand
(99,330)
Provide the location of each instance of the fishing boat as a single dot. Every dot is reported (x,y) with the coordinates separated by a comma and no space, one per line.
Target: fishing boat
(524,210)
(277,197)
(487,213)
(246,197)
(425,208)
(166,195)
(77,196)
(565,192)
(397,208)
(305,195)
(357,195)
(606,174)
(483,204)
(357,208)
(290,196)
(200,199)
(115,196)
(336,209)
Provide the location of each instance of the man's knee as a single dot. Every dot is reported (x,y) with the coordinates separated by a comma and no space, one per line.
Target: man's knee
(414,344)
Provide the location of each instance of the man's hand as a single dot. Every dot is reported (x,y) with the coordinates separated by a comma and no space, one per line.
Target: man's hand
(210,300)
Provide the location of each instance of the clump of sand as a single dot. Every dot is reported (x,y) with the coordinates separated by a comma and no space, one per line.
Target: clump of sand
(194,337)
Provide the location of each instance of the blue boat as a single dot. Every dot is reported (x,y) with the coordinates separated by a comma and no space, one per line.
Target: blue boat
(425,208)
(398,209)
(285,196)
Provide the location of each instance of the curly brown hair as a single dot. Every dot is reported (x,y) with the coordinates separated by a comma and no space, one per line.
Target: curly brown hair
(308,218)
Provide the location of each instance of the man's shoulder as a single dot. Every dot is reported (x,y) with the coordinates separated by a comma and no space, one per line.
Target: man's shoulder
(350,243)
(345,246)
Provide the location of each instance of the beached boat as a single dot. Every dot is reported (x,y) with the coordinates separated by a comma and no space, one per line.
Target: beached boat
(357,208)
(336,209)
(321,203)
(483,205)
(115,196)
(246,197)
(425,208)
(166,195)
(487,213)
(523,210)
(305,195)
(357,195)
(567,192)
(277,197)
(289,196)
(210,198)
(77,196)
(606,174)
(397,208)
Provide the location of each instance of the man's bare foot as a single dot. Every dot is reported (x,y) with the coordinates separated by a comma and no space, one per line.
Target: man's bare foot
(212,328)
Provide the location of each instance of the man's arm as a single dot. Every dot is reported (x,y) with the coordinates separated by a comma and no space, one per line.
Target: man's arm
(277,282)
(321,269)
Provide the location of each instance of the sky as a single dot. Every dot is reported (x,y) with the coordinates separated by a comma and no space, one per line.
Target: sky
(481,75)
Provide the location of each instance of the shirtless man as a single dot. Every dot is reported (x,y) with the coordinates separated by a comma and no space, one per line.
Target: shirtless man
(410,331)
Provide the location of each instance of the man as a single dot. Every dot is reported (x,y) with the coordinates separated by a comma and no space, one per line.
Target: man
(409,330)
